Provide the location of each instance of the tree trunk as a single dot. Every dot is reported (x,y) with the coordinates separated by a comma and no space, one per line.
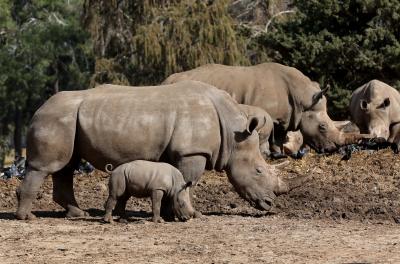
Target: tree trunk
(18,132)
(56,86)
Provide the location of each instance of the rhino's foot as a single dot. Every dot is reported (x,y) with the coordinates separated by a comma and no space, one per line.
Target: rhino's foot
(108,219)
(157,219)
(123,220)
(25,216)
(76,212)
(197,214)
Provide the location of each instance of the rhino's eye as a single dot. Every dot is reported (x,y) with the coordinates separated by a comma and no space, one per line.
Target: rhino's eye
(323,127)
(259,170)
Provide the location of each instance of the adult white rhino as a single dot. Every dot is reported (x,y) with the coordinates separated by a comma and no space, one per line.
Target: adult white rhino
(190,125)
(375,109)
(285,93)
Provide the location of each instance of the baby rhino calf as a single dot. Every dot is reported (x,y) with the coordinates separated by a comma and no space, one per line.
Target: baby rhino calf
(141,178)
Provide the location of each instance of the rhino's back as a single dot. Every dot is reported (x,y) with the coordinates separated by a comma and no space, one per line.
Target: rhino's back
(143,176)
(267,85)
(148,123)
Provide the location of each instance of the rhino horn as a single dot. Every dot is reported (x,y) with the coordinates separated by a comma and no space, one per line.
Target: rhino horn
(281,165)
(352,138)
(282,187)
(295,183)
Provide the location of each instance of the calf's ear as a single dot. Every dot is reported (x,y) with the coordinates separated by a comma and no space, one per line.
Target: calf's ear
(188,184)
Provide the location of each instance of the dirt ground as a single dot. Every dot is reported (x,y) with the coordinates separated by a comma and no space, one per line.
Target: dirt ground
(348,212)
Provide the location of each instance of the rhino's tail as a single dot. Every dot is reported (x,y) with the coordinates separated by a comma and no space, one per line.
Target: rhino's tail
(109,168)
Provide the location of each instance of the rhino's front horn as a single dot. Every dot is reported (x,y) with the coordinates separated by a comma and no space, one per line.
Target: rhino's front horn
(282,187)
(281,165)
(353,138)
(290,184)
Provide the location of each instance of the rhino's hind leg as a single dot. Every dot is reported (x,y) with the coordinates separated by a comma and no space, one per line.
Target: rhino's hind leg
(120,207)
(63,192)
(26,193)
(109,206)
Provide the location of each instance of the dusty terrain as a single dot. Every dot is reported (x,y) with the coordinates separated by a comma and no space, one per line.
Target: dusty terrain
(348,212)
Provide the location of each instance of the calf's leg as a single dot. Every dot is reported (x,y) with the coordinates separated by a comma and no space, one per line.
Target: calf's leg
(120,208)
(117,196)
(109,206)
(156,197)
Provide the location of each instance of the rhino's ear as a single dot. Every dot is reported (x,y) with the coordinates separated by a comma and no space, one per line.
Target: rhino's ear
(363,104)
(386,103)
(252,123)
(188,184)
(317,96)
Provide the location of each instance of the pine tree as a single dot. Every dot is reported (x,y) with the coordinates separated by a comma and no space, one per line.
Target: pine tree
(343,43)
(43,49)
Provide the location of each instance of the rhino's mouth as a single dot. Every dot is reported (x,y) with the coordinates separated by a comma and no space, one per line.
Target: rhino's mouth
(324,149)
(184,218)
(264,204)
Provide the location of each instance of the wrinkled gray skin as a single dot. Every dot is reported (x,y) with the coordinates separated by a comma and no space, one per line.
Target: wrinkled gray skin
(190,125)
(285,93)
(142,178)
(374,108)
(265,129)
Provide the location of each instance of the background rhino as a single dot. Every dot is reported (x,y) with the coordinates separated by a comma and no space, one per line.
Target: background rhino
(190,125)
(265,129)
(294,139)
(375,108)
(285,93)
(293,142)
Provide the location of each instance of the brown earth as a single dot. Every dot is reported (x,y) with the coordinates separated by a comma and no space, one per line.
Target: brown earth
(348,212)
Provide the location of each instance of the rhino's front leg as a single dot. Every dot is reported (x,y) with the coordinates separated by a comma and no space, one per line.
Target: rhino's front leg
(27,191)
(156,197)
(395,136)
(192,167)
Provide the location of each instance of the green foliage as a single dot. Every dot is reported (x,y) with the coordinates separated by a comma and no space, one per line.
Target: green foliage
(148,40)
(43,49)
(344,43)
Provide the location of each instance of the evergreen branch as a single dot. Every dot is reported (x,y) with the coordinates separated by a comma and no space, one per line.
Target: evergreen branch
(276,15)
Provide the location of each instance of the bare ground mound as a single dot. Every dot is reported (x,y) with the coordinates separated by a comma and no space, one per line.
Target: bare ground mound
(347,212)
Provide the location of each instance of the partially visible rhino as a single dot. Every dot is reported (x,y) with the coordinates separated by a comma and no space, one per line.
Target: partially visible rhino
(375,108)
(265,129)
(190,125)
(294,139)
(293,143)
(285,93)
